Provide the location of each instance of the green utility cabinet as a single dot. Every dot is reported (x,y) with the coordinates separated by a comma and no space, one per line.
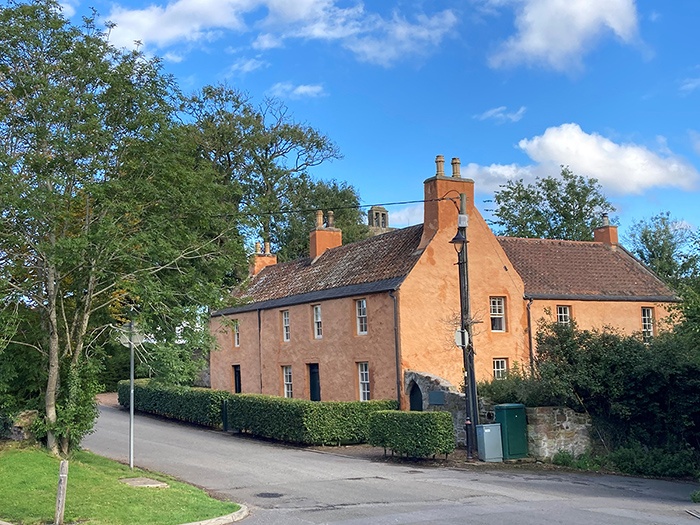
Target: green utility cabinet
(513,422)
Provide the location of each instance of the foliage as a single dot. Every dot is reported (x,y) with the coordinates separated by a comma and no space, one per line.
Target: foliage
(308,196)
(303,421)
(665,245)
(565,207)
(587,461)
(636,459)
(194,405)
(107,211)
(265,156)
(95,494)
(414,434)
(695,496)
(520,387)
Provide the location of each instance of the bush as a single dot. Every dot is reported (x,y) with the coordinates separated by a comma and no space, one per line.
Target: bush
(520,387)
(195,405)
(695,496)
(563,458)
(5,424)
(656,462)
(414,434)
(303,421)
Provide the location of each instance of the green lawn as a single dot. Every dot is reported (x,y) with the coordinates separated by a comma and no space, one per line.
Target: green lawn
(95,496)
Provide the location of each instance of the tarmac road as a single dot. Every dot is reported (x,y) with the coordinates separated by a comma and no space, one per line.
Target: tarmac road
(296,486)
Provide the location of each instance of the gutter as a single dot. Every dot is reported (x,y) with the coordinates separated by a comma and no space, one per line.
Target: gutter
(529,334)
(260,348)
(397,348)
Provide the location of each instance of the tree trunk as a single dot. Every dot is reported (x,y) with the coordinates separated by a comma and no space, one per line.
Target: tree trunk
(54,366)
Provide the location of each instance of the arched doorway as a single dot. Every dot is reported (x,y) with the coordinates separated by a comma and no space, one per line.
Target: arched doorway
(416,398)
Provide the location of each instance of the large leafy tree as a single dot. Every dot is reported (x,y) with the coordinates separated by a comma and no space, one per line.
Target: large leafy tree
(107,212)
(262,152)
(665,245)
(569,207)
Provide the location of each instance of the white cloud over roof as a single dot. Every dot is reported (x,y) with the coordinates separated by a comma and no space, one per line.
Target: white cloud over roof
(620,168)
(289,90)
(371,37)
(557,33)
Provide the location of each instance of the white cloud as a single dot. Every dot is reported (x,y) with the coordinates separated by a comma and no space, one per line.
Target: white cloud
(557,33)
(68,7)
(620,168)
(246,65)
(289,90)
(371,37)
(695,140)
(173,57)
(690,84)
(408,216)
(501,114)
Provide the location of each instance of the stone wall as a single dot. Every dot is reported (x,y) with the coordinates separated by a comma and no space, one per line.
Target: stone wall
(550,429)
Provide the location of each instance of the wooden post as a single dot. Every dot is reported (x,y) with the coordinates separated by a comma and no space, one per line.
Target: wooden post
(61,494)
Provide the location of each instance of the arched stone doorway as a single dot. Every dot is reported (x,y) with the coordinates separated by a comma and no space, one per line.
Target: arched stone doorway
(416,398)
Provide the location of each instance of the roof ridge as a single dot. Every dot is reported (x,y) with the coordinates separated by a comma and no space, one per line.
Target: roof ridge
(540,239)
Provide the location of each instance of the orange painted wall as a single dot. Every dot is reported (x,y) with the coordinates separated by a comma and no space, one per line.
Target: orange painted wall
(337,353)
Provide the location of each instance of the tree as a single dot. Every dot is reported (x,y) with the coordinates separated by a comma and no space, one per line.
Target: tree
(665,245)
(260,151)
(306,197)
(566,207)
(107,212)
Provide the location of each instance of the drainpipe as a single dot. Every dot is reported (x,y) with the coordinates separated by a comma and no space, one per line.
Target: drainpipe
(529,336)
(397,350)
(260,349)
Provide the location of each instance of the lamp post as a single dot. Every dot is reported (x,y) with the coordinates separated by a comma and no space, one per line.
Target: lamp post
(133,337)
(465,333)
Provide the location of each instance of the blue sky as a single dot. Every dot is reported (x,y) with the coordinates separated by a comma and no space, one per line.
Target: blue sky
(515,88)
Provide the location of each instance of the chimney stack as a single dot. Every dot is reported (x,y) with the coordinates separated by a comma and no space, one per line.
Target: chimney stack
(322,237)
(607,233)
(260,259)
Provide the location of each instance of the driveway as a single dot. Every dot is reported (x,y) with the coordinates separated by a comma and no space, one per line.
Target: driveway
(300,486)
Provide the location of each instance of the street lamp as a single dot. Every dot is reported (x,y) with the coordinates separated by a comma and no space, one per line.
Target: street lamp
(130,339)
(464,338)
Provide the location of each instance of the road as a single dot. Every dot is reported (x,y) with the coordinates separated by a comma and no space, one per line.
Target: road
(295,486)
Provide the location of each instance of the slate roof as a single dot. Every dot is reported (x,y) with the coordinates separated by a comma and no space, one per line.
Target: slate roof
(372,265)
(554,269)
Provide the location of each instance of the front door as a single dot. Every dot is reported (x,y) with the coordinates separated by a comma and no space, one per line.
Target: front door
(314,383)
(416,398)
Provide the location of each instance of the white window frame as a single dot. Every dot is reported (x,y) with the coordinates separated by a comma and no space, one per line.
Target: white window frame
(563,314)
(236,333)
(647,322)
(286,329)
(287,381)
(318,322)
(361,316)
(500,367)
(497,309)
(363,380)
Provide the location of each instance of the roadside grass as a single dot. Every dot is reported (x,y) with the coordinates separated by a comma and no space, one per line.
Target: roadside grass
(95,495)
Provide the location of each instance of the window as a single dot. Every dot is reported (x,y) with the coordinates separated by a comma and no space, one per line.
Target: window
(237,379)
(363,369)
(498,315)
(563,314)
(287,380)
(236,334)
(361,309)
(318,325)
(500,368)
(286,331)
(647,323)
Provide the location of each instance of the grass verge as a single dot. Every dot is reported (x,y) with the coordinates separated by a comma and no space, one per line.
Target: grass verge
(95,495)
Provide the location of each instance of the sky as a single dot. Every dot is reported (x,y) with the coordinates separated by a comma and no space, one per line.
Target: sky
(514,88)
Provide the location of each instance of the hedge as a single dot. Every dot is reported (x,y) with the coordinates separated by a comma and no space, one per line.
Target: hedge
(414,434)
(303,421)
(195,405)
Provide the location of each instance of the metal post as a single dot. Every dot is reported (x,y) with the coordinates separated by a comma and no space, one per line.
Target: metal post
(472,410)
(131,396)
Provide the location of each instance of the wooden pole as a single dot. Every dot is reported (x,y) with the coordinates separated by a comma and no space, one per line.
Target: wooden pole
(61,494)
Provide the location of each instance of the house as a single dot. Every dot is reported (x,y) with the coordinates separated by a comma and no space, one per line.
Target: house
(349,321)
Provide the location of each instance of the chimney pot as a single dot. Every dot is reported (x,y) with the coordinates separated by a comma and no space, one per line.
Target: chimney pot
(456,168)
(267,248)
(258,249)
(319,219)
(606,221)
(440,166)
(331,219)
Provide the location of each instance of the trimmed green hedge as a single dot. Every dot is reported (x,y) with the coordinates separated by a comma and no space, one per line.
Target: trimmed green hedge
(195,405)
(303,421)
(414,434)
